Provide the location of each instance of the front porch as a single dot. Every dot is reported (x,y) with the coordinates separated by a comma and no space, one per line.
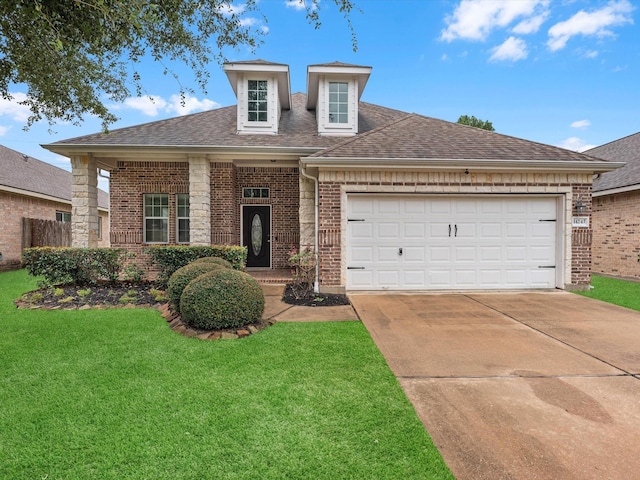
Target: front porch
(280,276)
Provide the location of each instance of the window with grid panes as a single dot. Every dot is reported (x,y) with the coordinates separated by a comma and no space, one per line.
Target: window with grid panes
(338,102)
(156,218)
(183,217)
(257,95)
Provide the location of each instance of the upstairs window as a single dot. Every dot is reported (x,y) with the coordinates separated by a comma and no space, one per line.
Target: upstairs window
(257,98)
(338,102)
(183,218)
(156,218)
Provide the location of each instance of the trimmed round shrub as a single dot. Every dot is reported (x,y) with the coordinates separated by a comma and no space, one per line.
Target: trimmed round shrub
(222,299)
(217,260)
(181,277)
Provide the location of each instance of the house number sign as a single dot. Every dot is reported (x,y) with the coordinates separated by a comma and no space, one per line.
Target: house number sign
(580,222)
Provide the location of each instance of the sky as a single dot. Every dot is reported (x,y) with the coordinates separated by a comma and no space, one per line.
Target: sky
(559,72)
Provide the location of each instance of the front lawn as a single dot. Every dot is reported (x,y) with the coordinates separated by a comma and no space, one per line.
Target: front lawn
(115,394)
(612,290)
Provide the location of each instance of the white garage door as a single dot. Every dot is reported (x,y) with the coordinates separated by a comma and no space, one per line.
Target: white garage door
(414,243)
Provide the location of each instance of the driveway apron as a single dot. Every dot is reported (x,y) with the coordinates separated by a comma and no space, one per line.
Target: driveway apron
(541,385)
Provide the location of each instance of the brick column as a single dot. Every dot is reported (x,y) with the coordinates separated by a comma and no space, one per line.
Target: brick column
(199,201)
(84,201)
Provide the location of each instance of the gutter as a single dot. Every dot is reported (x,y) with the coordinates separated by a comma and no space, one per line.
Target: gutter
(316,283)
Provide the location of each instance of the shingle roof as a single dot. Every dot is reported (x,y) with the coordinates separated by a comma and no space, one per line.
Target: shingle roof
(298,128)
(31,175)
(626,149)
(418,137)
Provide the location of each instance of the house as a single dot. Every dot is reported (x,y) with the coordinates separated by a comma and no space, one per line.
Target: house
(30,188)
(616,210)
(389,200)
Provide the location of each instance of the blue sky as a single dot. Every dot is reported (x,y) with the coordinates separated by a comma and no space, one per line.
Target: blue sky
(561,72)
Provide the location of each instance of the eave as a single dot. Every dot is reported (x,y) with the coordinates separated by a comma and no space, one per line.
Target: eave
(342,163)
(614,191)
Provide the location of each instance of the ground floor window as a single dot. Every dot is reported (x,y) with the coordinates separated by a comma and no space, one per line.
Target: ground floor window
(63,216)
(183,218)
(156,218)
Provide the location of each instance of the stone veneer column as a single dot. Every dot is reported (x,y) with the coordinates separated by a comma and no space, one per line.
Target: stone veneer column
(307,213)
(199,201)
(84,201)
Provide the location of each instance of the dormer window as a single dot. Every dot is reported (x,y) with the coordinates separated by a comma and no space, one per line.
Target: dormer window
(262,89)
(257,108)
(333,91)
(338,102)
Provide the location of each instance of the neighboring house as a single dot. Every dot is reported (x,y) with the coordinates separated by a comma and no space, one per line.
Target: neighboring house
(390,200)
(30,188)
(616,210)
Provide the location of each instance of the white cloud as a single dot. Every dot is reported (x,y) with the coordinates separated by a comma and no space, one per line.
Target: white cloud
(150,105)
(231,9)
(13,109)
(476,19)
(576,144)
(595,23)
(580,124)
(154,105)
(296,4)
(530,25)
(3,130)
(513,49)
(189,105)
(591,54)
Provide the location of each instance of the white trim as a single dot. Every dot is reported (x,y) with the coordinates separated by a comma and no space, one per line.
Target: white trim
(242,206)
(613,191)
(346,163)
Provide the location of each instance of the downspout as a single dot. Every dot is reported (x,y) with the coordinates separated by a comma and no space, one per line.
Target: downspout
(316,283)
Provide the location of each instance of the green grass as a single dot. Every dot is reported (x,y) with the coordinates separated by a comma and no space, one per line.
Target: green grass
(115,394)
(616,291)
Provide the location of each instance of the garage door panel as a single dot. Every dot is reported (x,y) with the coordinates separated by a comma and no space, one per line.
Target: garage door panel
(412,242)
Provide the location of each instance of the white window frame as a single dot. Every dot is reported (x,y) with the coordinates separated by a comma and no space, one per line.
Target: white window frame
(156,208)
(62,216)
(258,102)
(180,205)
(338,101)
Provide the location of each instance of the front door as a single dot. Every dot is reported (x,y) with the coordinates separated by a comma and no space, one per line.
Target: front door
(256,234)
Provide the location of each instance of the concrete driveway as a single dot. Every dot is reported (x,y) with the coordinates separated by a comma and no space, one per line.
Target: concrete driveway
(517,385)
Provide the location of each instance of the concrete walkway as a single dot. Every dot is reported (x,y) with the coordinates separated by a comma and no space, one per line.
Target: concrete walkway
(517,385)
(276,309)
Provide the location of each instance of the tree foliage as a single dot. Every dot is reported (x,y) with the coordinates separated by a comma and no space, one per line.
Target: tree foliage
(476,122)
(73,55)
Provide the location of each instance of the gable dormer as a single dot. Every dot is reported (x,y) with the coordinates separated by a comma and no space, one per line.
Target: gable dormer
(333,91)
(262,89)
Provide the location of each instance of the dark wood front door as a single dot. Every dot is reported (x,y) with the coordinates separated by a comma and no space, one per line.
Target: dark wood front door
(256,234)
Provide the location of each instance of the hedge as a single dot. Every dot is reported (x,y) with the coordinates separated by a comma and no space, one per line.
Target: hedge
(70,265)
(170,258)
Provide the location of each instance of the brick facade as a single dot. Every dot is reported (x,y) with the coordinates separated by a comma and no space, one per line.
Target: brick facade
(334,185)
(616,234)
(131,179)
(13,207)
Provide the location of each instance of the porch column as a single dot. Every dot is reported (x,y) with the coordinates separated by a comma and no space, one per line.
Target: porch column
(199,201)
(84,201)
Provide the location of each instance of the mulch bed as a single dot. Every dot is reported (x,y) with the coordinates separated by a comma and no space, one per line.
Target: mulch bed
(311,299)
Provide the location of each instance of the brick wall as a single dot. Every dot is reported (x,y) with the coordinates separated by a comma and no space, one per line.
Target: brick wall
(284,198)
(12,208)
(130,180)
(334,184)
(616,234)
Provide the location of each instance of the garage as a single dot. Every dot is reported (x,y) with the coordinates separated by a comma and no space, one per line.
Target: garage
(449,242)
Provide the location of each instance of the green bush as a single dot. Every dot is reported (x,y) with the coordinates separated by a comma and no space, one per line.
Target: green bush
(80,266)
(217,260)
(170,258)
(183,276)
(222,299)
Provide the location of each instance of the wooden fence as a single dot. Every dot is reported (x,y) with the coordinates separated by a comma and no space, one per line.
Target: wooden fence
(45,233)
